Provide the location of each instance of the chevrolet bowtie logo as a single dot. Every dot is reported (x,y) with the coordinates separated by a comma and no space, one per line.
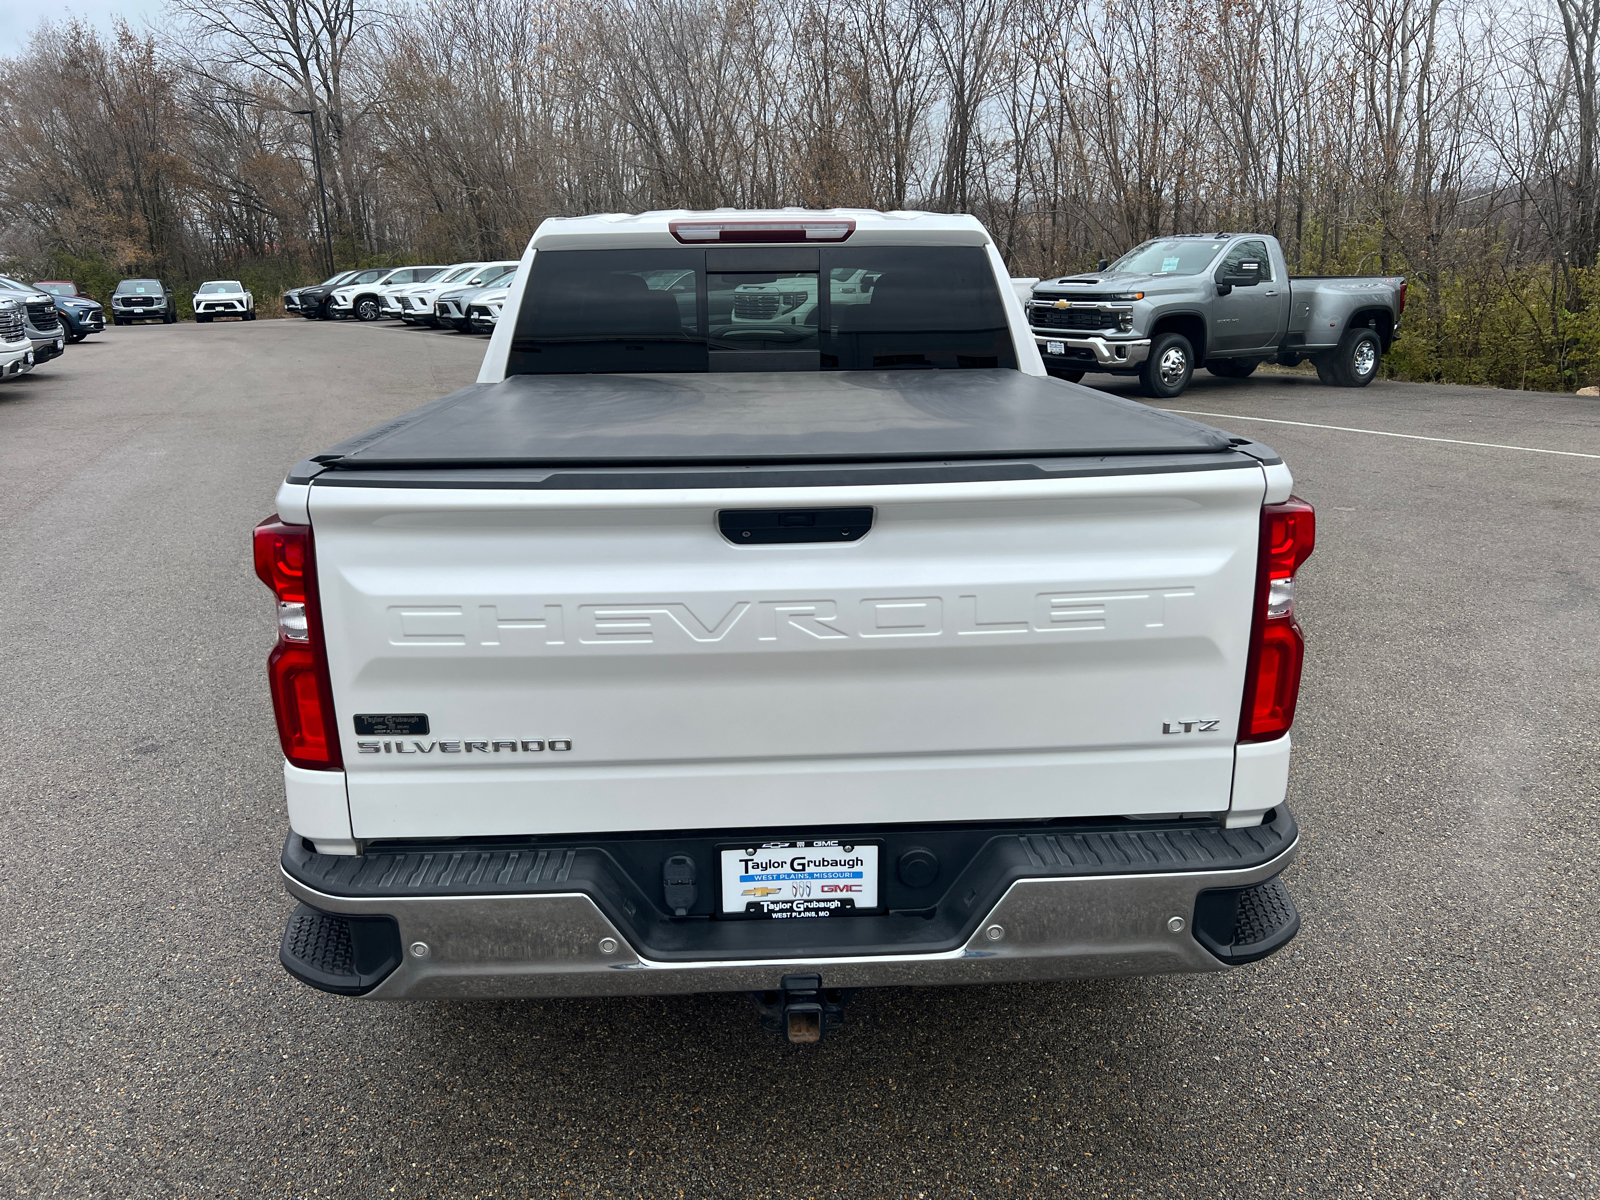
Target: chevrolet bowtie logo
(1061,304)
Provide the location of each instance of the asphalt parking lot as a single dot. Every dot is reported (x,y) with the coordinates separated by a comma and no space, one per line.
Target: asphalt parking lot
(1432,1032)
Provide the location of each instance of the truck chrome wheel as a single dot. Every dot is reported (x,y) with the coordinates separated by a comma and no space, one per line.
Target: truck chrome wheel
(1355,363)
(1173,366)
(1167,371)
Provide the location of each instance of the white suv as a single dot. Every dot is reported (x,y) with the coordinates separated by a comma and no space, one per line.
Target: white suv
(358,296)
(416,303)
(450,306)
(483,310)
(223,298)
(401,280)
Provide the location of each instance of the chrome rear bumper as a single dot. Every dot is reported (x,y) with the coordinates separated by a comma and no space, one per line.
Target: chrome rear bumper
(561,944)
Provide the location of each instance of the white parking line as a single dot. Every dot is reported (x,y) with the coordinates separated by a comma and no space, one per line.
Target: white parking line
(1415,437)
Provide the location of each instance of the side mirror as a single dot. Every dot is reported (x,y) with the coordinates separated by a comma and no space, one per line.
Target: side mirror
(1246,274)
(1103,264)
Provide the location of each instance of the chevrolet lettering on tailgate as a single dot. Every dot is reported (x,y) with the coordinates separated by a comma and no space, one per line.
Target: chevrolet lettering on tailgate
(741,624)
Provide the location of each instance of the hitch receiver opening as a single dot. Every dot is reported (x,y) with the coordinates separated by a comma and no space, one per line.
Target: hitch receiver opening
(801,1008)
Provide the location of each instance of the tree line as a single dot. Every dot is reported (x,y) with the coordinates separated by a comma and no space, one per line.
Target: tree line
(1453,141)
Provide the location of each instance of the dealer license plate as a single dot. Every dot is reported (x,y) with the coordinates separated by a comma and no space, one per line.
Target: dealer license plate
(1055,347)
(788,880)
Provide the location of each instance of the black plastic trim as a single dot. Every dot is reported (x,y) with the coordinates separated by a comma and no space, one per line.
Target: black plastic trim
(1265,455)
(826,475)
(623,874)
(769,526)
(304,471)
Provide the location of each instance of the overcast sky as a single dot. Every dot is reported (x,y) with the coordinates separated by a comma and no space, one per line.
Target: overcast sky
(19,18)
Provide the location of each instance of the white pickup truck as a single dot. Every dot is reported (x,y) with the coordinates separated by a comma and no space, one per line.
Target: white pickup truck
(682,654)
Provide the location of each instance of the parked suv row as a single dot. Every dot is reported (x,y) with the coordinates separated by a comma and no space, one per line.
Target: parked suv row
(466,296)
(361,294)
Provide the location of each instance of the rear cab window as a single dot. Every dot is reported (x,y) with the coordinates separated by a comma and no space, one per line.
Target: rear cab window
(761,308)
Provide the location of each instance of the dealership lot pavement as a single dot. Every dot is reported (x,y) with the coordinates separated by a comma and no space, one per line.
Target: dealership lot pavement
(1434,1030)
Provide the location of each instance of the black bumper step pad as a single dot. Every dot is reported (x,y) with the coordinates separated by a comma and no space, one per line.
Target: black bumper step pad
(1244,925)
(336,953)
(544,865)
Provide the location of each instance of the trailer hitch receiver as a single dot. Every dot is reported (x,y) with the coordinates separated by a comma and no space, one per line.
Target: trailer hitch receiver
(801,1008)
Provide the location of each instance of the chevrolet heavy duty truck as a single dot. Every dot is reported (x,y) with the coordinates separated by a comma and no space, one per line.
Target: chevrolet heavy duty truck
(1223,300)
(683,652)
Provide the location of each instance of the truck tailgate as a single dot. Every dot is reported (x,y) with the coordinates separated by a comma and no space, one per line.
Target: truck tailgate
(531,661)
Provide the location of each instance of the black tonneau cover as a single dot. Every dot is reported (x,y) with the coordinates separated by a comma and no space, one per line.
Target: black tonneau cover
(783,417)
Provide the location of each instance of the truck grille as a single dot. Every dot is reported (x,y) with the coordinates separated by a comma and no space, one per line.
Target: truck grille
(139,302)
(43,316)
(1046,317)
(755,306)
(10,323)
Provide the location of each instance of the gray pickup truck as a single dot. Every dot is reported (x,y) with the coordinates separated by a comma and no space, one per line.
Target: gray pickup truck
(1222,300)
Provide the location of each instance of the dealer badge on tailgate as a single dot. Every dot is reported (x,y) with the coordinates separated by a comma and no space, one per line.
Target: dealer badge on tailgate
(784,880)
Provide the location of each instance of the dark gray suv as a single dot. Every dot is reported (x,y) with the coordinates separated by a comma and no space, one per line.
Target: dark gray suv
(143,300)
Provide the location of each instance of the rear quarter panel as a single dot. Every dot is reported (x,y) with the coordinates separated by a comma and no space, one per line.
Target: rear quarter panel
(1321,308)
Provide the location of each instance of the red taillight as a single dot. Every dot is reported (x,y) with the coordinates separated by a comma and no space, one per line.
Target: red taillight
(302,697)
(1272,671)
(704,233)
(1402,305)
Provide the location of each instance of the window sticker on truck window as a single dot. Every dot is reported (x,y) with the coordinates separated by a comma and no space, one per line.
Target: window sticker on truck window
(1169,264)
(789,880)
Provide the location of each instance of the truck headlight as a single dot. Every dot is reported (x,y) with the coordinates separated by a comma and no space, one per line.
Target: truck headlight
(1125,321)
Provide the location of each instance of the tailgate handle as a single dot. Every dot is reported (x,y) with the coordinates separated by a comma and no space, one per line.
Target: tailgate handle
(763,526)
